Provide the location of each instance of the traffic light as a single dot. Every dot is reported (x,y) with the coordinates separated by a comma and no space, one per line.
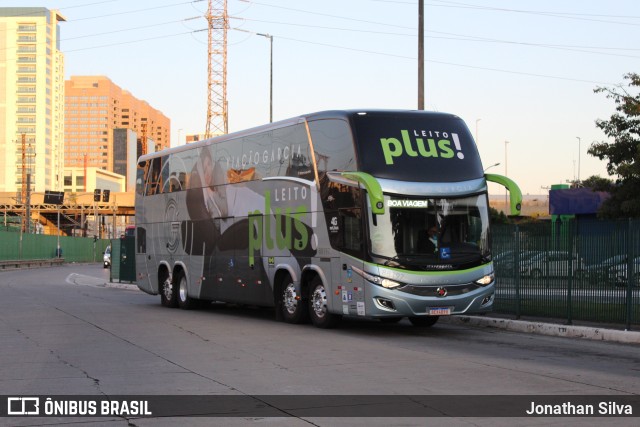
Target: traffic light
(96,195)
(105,195)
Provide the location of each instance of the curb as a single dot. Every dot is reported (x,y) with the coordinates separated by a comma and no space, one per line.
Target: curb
(566,331)
(128,286)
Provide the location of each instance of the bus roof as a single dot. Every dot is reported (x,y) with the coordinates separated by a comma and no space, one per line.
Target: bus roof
(320,115)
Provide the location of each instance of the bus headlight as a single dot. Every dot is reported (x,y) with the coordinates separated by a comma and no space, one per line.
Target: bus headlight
(486,280)
(381,281)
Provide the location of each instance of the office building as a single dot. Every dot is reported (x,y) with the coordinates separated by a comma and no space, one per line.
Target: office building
(31,100)
(95,109)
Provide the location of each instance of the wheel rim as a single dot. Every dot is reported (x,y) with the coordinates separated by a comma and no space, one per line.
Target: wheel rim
(168,289)
(183,289)
(319,301)
(290,298)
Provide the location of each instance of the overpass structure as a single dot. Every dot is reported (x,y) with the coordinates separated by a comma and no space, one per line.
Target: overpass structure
(78,215)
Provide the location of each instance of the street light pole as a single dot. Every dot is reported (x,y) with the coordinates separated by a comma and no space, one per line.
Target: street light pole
(270,37)
(493,165)
(579,142)
(506,202)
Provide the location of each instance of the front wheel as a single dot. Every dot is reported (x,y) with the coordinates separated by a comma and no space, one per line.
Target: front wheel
(424,321)
(318,309)
(292,306)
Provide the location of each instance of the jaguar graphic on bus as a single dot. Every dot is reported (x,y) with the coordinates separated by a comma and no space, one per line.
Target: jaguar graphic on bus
(372,213)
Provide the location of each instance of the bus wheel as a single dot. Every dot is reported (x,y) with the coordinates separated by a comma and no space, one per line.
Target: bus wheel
(185,302)
(293,306)
(168,294)
(424,321)
(318,310)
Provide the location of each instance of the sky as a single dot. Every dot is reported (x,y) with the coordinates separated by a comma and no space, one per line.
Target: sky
(521,74)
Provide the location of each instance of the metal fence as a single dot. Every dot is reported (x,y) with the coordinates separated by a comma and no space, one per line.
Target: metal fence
(23,246)
(586,270)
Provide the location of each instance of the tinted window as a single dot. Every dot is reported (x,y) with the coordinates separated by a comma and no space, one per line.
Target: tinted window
(427,147)
(333,146)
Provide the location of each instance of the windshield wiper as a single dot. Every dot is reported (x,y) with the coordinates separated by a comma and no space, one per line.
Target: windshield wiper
(390,260)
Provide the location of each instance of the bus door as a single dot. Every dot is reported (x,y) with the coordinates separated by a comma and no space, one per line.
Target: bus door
(345,229)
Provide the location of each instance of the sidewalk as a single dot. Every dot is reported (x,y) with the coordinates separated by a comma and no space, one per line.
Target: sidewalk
(544,327)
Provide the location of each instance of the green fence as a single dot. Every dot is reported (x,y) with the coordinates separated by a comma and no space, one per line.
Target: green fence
(17,246)
(584,270)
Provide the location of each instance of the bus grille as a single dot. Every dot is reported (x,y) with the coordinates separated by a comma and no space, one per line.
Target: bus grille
(431,290)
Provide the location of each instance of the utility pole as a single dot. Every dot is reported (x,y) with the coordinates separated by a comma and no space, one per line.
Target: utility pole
(421,55)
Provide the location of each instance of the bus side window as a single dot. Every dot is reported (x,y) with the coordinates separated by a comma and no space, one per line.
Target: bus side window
(154,178)
(141,173)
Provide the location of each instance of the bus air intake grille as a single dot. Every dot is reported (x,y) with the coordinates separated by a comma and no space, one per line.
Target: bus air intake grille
(432,291)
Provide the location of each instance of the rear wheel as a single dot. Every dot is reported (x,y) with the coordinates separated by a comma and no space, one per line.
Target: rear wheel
(185,302)
(293,306)
(424,321)
(318,310)
(168,294)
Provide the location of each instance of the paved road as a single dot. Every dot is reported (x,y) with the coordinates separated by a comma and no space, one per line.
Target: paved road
(65,331)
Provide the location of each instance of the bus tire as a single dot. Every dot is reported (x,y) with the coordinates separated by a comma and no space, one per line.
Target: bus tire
(424,321)
(293,305)
(318,311)
(185,302)
(168,294)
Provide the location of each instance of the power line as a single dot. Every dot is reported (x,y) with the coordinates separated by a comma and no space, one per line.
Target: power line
(135,11)
(564,15)
(460,37)
(522,73)
(454,4)
(136,41)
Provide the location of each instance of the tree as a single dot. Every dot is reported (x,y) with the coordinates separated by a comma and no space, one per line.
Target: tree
(597,183)
(497,217)
(623,154)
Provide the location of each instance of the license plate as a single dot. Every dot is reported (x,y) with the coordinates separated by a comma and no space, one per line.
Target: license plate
(439,311)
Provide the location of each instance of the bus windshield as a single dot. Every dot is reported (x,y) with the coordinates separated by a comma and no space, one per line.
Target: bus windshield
(431,233)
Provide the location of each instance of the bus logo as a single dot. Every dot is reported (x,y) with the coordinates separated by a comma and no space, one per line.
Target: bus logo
(441,292)
(437,145)
(290,230)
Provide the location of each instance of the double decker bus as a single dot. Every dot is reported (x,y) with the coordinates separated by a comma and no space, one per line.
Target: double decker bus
(377,214)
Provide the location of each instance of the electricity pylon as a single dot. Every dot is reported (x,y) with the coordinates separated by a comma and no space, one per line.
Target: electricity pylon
(218,20)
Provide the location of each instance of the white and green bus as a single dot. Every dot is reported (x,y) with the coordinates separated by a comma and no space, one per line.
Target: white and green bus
(379,214)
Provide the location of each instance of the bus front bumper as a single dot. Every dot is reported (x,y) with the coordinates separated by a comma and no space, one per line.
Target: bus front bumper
(383,302)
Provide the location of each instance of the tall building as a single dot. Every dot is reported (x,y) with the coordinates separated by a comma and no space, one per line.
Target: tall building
(95,108)
(31,99)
